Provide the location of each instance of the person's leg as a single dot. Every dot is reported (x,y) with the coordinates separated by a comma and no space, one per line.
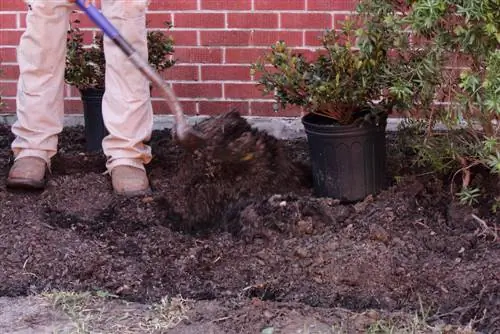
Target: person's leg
(127,110)
(40,105)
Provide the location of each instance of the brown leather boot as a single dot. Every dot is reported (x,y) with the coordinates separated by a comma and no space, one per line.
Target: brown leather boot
(130,181)
(27,173)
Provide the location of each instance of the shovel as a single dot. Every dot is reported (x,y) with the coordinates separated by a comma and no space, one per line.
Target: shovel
(185,134)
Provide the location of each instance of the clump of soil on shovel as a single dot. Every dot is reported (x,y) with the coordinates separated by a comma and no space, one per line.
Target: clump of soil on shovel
(238,162)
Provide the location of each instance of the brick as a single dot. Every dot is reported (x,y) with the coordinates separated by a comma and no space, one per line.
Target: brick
(10,37)
(280,5)
(306,21)
(258,75)
(331,5)
(221,107)
(197,90)
(72,91)
(173,5)
(8,89)
(199,20)
(252,20)
(157,20)
(313,38)
(181,72)
(198,55)
(73,106)
(226,4)
(241,91)
(12,5)
(184,37)
(8,21)
(22,19)
(338,19)
(225,73)
(224,38)
(244,55)
(258,108)
(9,72)
(7,54)
(160,107)
(269,37)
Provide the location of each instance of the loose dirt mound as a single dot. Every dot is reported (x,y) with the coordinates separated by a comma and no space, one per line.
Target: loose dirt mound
(246,226)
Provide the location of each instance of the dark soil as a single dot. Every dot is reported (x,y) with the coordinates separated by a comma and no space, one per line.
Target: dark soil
(245,225)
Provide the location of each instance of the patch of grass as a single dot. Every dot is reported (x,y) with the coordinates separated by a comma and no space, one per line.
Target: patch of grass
(75,306)
(418,327)
(418,324)
(377,322)
(101,312)
(167,314)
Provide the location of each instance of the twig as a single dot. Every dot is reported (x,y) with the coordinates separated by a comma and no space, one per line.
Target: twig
(486,229)
(421,224)
(48,226)
(452,312)
(26,262)
(467,174)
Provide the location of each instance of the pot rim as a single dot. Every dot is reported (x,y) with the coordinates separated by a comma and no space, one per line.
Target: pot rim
(336,127)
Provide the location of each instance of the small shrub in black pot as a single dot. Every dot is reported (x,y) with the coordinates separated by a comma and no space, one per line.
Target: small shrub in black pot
(357,78)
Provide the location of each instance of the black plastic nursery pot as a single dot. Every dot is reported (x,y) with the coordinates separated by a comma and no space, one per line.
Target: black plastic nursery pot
(95,130)
(348,162)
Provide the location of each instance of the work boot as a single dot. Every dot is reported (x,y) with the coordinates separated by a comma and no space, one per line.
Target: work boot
(130,181)
(27,173)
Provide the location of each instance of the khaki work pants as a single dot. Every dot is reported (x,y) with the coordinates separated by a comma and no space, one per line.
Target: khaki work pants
(127,110)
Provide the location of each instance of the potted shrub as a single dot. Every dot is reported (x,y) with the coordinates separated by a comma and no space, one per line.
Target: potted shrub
(85,70)
(348,89)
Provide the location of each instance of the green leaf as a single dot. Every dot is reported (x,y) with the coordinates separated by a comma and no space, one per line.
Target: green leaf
(494,162)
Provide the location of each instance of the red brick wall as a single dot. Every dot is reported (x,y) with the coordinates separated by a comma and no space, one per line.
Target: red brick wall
(215,42)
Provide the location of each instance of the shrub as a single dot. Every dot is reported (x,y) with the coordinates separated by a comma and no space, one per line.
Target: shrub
(459,39)
(85,64)
(362,70)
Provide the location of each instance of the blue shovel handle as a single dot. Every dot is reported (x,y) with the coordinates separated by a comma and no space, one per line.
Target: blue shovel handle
(103,23)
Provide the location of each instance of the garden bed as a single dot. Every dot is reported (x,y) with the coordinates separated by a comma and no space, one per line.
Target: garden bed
(248,230)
